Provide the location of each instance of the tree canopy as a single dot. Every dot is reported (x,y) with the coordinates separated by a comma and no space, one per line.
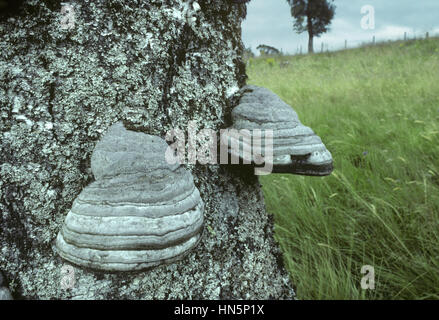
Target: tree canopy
(313,16)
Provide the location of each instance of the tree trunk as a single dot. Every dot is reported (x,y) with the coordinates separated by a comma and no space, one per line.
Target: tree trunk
(155,66)
(311,43)
(310,35)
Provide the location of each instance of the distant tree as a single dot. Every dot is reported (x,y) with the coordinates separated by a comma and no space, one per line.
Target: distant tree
(267,50)
(248,53)
(313,16)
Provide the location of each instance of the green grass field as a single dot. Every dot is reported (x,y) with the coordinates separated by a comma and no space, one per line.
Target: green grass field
(376,108)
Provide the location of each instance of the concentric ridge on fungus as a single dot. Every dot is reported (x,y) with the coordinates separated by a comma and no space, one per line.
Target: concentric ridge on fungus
(296,148)
(140,212)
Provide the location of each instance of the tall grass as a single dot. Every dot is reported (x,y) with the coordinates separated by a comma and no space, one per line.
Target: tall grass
(377,110)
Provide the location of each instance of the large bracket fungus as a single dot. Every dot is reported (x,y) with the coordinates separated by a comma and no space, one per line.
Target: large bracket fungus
(294,148)
(140,212)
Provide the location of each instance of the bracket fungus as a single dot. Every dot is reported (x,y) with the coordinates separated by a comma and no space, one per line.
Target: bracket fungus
(139,213)
(4,292)
(290,146)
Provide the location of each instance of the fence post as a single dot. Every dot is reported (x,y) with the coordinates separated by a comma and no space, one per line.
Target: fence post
(426,35)
(322,47)
(405,36)
(346,44)
(373,40)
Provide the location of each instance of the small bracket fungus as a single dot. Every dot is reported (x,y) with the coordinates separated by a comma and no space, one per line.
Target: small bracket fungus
(139,213)
(4,292)
(289,146)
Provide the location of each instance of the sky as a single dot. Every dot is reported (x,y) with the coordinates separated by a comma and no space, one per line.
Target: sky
(269,22)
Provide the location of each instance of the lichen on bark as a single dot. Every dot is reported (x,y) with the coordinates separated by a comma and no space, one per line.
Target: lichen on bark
(142,63)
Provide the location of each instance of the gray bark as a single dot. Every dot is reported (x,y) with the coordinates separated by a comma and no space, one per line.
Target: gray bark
(143,63)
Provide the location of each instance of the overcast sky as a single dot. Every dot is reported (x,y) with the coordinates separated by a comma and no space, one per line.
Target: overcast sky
(269,22)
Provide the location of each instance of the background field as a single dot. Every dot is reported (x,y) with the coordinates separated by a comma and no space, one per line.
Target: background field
(377,110)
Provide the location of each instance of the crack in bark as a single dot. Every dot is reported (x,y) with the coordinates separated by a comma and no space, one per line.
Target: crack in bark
(176,58)
(50,109)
